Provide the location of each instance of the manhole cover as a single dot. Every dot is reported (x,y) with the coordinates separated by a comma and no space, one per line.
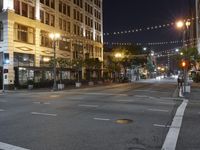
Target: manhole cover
(124,121)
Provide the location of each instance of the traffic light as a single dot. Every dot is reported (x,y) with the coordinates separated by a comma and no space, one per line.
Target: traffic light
(183,64)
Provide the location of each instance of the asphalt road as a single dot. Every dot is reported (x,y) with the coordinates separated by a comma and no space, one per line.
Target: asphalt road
(87,119)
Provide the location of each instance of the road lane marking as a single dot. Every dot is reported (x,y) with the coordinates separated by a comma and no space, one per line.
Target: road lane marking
(1,110)
(161,126)
(45,103)
(54,96)
(151,91)
(43,114)
(166,103)
(102,119)
(76,98)
(104,94)
(4,146)
(88,106)
(173,133)
(158,110)
(125,100)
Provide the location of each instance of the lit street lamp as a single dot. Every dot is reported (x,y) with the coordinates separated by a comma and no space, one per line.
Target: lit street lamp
(184,25)
(118,56)
(54,37)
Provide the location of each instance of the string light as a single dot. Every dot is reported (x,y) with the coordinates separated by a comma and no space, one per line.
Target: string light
(150,43)
(147,28)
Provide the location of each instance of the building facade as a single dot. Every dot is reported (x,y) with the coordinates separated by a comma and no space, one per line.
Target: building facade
(25,26)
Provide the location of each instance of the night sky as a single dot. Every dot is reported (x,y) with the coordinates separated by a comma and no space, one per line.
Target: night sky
(120,15)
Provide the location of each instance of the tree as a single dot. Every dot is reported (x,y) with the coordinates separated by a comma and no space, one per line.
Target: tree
(98,66)
(62,63)
(90,64)
(77,65)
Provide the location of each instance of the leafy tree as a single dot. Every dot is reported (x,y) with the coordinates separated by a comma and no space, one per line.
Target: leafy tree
(90,65)
(77,65)
(63,63)
(98,67)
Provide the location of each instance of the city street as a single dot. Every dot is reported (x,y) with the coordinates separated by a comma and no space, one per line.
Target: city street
(89,118)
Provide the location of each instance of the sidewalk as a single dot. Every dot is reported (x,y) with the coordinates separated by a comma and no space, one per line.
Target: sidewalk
(189,138)
(71,87)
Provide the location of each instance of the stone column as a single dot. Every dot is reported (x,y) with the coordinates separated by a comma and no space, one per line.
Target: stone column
(37,47)
(37,10)
(9,48)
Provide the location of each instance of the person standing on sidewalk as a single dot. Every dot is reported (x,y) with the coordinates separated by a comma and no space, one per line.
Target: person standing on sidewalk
(180,81)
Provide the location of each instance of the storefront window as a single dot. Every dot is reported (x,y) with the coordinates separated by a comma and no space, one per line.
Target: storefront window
(22,60)
(25,75)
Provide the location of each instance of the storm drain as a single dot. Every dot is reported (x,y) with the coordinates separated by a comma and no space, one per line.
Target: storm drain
(124,121)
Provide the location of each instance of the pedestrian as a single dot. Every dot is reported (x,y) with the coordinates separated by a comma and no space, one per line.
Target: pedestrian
(179,80)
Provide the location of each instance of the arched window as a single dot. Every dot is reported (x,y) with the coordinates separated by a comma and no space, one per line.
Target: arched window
(1,31)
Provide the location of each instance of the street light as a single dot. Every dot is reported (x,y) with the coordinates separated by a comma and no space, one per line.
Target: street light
(179,24)
(177,50)
(184,25)
(118,56)
(144,48)
(54,37)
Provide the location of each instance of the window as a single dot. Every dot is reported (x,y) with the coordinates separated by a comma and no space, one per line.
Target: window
(17,6)
(47,18)
(68,27)
(21,59)
(47,2)
(42,1)
(64,25)
(64,45)
(31,12)
(1,31)
(53,4)
(60,23)
(68,11)
(45,40)
(60,6)
(24,9)
(52,20)
(42,16)
(24,33)
(64,9)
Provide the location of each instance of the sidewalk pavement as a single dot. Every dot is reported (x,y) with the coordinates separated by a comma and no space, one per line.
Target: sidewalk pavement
(190,131)
(195,92)
(66,88)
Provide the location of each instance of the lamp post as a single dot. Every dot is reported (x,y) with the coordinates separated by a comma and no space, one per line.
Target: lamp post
(118,56)
(54,37)
(184,25)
